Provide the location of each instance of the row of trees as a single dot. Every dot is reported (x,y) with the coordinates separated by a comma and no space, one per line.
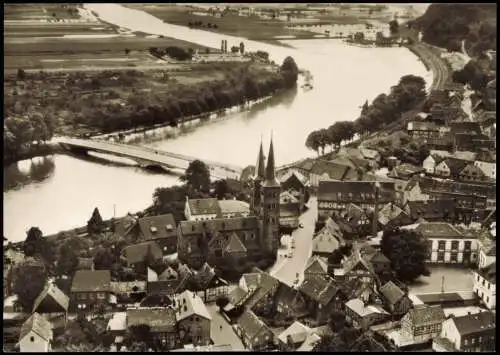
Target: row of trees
(103,107)
(384,109)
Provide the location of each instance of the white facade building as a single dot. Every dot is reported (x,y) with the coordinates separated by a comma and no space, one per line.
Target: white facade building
(485,285)
(489,169)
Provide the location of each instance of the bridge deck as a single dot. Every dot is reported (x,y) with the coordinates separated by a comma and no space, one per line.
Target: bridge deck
(154,156)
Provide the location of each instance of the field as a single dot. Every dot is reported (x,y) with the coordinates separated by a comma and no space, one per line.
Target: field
(253,27)
(58,37)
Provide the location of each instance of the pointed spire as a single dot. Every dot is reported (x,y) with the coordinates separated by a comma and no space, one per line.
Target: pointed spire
(270,169)
(260,166)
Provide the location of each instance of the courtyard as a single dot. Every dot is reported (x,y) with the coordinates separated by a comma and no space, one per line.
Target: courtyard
(455,279)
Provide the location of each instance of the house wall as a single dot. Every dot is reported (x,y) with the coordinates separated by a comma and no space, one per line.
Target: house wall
(489,169)
(442,170)
(444,256)
(86,301)
(450,332)
(32,342)
(197,328)
(485,260)
(485,290)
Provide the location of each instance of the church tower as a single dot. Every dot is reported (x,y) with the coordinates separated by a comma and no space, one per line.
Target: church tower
(270,205)
(258,178)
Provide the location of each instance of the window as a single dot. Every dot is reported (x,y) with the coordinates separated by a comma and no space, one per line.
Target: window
(32,339)
(454,257)
(487,301)
(440,256)
(441,244)
(454,245)
(467,245)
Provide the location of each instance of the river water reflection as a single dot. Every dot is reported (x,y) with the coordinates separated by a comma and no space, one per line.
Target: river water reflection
(67,189)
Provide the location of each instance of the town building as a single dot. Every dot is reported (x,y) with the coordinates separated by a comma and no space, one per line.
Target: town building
(436,210)
(90,289)
(256,236)
(293,336)
(325,242)
(290,210)
(362,315)
(405,171)
(335,196)
(160,229)
(485,280)
(85,264)
(487,252)
(392,216)
(36,335)
(447,244)
(472,173)
(254,333)
(450,168)
(136,256)
(468,333)
(52,301)
(422,323)
(161,321)
(193,319)
(297,185)
(488,168)
(395,299)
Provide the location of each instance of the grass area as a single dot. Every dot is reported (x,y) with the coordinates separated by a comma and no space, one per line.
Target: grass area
(253,28)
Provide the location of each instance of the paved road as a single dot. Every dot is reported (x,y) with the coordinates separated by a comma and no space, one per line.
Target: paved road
(151,155)
(286,271)
(223,336)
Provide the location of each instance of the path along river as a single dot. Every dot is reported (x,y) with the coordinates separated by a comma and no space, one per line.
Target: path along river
(59,192)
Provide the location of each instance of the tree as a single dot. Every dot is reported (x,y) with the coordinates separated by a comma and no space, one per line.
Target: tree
(29,280)
(394,27)
(67,261)
(95,225)
(221,302)
(221,188)
(21,74)
(197,176)
(312,141)
(330,343)
(290,71)
(337,321)
(407,252)
(141,333)
(32,244)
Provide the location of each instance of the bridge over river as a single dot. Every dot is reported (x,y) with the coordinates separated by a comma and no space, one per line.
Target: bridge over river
(148,157)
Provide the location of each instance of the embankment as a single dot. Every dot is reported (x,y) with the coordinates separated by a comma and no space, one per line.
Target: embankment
(430,58)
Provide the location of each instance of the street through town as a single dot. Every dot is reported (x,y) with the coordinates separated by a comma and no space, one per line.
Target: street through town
(287,270)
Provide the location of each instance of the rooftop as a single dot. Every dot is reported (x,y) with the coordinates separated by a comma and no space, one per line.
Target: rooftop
(359,307)
(438,230)
(39,325)
(297,331)
(234,206)
(205,206)
(158,227)
(423,315)
(160,319)
(475,323)
(188,304)
(91,281)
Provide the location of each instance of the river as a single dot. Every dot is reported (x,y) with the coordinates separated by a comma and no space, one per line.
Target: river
(59,192)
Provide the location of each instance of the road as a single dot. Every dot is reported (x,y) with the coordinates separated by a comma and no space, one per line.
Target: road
(287,269)
(151,156)
(223,336)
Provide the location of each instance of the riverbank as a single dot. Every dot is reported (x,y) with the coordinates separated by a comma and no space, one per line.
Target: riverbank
(43,149)
(432,60)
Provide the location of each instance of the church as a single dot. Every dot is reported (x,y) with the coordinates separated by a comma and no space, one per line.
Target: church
(251,236)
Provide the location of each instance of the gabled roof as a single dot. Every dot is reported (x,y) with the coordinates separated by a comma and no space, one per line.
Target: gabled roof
(455,165)
(136,253)
(288,197)
(431,209)
(204,206)
(438,230)
(392,293)
(475,323)
(91,281)
(362,310)
(319,288)
(324,242)
(251,325)
(424,315)
(158,227)
(235,245)
(292,174)
(311,341)
(239,208)
(333,170)
(160,319)
(188,303)
(236,295)
(473,169)
(405,170)
(52,291)
(390,212)
(266,283)
(39,325)
(316,266)
(297,331)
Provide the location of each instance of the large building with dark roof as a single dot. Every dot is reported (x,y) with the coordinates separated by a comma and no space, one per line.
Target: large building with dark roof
(209,235)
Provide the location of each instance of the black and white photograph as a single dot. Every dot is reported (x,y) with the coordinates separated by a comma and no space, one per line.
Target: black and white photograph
(187,177)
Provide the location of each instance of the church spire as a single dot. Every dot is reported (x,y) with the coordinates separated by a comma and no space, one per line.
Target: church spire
(270,169)
(260,166)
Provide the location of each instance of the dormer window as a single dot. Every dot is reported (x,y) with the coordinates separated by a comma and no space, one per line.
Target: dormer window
(169,227)
(153,229)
